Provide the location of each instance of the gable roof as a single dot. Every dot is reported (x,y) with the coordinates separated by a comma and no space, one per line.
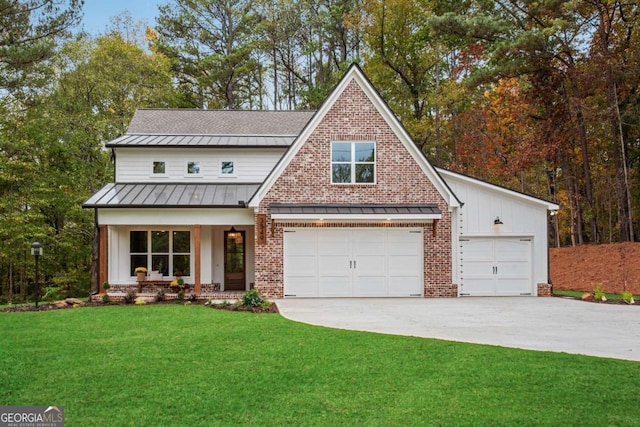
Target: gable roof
(355,73)
(447,174)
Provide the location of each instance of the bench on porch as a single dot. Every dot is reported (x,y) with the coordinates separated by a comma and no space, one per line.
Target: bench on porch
(159,283)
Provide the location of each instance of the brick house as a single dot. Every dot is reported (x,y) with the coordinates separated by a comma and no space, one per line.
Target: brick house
(333,203)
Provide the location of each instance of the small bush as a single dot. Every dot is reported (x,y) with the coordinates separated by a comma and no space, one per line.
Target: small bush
(598,292)
(193,297)
(627,297)
(252,298)
(106,286)
(180,296)
(130,296)
(105,299)
(53,293)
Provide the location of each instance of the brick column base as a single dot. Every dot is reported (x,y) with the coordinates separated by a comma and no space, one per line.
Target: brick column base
(441,291)
(545,289)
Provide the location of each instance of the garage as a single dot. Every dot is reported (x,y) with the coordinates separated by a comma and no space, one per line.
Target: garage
(353,262)
(495,266)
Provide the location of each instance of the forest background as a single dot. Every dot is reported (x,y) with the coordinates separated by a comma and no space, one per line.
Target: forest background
(538,96)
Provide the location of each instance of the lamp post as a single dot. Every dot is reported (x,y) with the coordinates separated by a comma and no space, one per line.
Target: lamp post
(36,251)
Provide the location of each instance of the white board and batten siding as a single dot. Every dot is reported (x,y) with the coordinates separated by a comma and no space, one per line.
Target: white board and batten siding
(507,259)
(361,262)
(135,164)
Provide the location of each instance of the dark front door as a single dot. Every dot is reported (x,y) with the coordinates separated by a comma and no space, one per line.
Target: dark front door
(234,260)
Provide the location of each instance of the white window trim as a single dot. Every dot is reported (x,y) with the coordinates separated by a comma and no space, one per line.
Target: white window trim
(192,175)
(228,175)
(353,163)
(158,175)
(150,253)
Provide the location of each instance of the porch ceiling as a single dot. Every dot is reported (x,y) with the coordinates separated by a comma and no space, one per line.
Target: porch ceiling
(172,195)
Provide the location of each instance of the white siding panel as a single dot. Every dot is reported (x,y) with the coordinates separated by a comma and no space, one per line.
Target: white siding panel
(251,164)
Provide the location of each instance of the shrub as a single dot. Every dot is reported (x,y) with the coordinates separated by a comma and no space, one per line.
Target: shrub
(627,297)
(106,286)
(105,299)
(193,297)
(130,296)
(180,296)
(598,292)
(252,298)
(53,293)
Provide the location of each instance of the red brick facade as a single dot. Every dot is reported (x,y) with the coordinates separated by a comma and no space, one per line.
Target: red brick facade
(399,180)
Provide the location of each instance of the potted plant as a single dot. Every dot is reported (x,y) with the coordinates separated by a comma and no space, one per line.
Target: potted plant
(177,285)
(141,272)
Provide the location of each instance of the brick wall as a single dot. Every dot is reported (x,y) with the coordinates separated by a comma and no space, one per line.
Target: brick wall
(399,180)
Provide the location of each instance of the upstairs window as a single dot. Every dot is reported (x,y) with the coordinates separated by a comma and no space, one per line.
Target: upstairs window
(159,168)
(227,168)
(193,168)
(353,162)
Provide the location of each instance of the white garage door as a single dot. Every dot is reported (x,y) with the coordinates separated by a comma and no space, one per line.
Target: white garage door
(495,266)
(338,262)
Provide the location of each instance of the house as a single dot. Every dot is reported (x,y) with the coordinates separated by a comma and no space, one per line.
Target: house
(333,203)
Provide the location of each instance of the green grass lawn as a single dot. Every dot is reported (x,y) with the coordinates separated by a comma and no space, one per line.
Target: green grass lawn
(191,365)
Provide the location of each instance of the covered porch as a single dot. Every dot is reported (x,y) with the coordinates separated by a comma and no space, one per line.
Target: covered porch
(209,246)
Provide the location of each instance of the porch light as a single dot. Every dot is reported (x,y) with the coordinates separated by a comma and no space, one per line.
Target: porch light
(233,232)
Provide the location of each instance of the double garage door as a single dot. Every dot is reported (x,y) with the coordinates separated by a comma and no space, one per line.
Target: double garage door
(498,266)
(337,262)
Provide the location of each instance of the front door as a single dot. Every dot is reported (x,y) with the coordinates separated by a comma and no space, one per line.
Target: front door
(234,260)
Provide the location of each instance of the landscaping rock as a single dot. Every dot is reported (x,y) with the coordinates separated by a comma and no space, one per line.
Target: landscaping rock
(587,297)
(73,301)
(61,304)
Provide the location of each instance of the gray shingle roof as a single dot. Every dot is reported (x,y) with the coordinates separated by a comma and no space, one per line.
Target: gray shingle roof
(171,195)
(218,122)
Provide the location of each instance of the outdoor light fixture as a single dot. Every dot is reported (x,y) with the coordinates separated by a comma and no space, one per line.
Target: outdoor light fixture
(36,251)
(497,221)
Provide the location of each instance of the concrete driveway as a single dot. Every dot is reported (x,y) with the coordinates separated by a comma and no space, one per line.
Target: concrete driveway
(547,324)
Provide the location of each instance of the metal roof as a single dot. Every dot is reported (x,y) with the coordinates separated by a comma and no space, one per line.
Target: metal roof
(177,121)
(356,209)
(137,140)
(171,195)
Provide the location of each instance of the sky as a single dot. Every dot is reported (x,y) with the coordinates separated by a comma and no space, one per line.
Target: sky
(97,13)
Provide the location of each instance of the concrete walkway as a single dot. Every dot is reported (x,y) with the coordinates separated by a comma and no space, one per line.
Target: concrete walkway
(547,324)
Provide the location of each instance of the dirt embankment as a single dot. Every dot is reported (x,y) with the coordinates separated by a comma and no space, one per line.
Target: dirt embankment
(582,267)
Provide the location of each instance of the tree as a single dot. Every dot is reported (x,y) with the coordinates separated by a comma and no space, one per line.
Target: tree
(211,44)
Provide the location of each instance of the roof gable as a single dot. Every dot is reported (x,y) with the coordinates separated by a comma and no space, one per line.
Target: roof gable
(449,175)
(355,74)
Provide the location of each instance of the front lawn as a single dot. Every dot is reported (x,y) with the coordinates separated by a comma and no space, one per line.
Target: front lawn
(192,365)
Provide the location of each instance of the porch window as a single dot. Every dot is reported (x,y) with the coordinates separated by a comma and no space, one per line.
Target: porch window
(166,251)
(193,168)
(227,168)
(353,162)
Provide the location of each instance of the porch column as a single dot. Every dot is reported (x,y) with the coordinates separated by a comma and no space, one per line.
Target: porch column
(103,233)
(197,254)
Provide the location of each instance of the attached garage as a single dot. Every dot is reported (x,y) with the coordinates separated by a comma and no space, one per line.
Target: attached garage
(353,262)
(495,266)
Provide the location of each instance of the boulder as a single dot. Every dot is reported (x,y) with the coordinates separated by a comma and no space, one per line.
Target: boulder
(61,304)
(73,301)
(587,297)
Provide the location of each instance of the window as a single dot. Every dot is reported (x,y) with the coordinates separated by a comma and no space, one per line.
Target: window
(193,168)
(159,168)
(160,250)
(227,168)
(353,162)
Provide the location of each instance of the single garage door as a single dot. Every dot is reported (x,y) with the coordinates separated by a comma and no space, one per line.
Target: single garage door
(363,262)
(498,266)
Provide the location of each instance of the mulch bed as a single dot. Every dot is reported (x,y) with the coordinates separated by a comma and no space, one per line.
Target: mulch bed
(273,308)
(593,301)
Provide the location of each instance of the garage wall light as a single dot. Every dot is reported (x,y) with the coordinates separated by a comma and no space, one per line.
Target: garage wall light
(497,221)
